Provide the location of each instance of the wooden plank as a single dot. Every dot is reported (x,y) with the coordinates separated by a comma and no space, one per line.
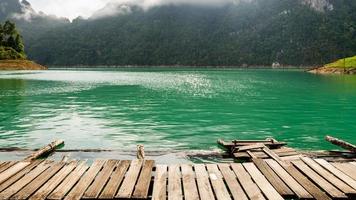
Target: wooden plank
(79,189)
(189,186)
(231,181)
(174,183)
(273,178)
(69,182)
(251,189)
(36,183)
(129,182)
(1,165)
(328,187)
(160,183)
(217,182)
(289,180)
(347,168)
(351,182)
(306,183)
(115,180)
(203,183)
(252,155)
(269,143)
(260,154)
(328,176)
(12,171)
(7,165)
(290,158)
(8,192)
(299,177)
(262,182)
(19,175)
(143,183)
(250,147)
(102,178)
(46,189)
(272,154)
(160,180)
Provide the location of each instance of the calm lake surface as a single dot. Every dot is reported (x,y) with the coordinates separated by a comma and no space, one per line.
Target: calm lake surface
(174,109)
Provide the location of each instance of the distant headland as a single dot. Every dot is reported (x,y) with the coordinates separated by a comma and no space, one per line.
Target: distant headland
(341,66)
(12,50)
(20,65)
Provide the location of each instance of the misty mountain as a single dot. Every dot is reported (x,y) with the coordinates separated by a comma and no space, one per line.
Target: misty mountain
(30,22)
(252,32)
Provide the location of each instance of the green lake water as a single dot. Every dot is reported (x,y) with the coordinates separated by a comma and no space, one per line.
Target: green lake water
(174,109)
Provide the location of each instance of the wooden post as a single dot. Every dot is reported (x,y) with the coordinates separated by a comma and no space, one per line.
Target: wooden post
(341,143)
(45,150)
(140,152)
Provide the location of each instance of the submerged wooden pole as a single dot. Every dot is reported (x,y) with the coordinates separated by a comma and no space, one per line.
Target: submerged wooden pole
(45,150)
(140,152)
(341,143)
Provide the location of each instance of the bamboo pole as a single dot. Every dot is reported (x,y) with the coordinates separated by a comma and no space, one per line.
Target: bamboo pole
(341,143)
(45,150)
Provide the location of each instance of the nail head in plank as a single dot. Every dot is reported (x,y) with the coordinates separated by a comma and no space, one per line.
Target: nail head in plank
(143,183)
(189,185)
(289,180)
(262,182)
(84,182)
(36,183)
(273,178)
(129,182)
(328,176)
(351,182)
(46,189)
(160,183)
(115,180)
(203,183)
(231,180)
(174,183)
(69,182)
(325,185)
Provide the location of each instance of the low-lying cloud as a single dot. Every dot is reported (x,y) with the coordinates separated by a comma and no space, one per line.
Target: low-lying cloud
(100,8)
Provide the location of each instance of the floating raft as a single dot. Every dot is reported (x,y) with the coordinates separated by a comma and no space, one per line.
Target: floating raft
(305,178)
(245,150)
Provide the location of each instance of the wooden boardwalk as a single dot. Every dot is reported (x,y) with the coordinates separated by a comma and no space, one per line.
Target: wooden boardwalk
(304,178)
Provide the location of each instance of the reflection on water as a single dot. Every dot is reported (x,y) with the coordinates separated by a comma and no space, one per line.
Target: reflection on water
(178,109)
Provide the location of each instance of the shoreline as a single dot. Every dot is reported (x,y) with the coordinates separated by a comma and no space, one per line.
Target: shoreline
(20,65)
(333,70)
(174,67)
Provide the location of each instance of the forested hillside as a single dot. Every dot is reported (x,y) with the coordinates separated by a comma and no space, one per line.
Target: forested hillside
(256,32)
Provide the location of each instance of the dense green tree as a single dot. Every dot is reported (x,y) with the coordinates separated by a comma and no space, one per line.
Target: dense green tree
(11,44)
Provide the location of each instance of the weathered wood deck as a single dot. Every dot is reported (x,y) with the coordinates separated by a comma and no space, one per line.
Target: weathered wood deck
(304,178)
